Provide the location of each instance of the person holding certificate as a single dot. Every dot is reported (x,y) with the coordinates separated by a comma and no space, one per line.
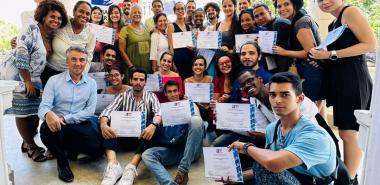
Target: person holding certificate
(133,100)
(349,84)
(166,65)
(115,78)
(182,56)
(303,36)
(297,150)
(180,144)
(159,40)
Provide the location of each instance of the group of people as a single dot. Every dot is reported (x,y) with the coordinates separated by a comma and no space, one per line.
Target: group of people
(53,56)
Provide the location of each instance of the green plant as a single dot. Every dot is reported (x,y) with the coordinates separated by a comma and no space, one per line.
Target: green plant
(8,31)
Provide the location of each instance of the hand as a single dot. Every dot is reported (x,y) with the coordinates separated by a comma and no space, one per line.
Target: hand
(226,181)
(192,48)
(107,132)
(185,97)
(256,135)
(238,145)
(54,122)
(30,90)
(13,42)
(224,48)
(319,54)
(224,98)
(148,132)
(279,50)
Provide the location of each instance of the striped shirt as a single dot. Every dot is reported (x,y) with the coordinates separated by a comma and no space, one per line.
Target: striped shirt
(126,102)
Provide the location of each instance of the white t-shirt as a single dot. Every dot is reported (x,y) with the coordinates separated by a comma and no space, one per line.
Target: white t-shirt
(158,45)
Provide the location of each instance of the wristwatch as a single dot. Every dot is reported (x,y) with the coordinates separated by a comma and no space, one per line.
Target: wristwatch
(333,55)
(246,146)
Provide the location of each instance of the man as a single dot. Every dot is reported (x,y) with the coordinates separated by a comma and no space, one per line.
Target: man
(126,7)
(108,59)
(244,4)
(263,17)
(295,146)
(184,152)
(157,7)
(212,12)
(250,55)
(134,100)
(190,8)
(68,101)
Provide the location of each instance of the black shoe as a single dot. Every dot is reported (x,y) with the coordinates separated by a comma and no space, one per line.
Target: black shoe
(65,173)
(72,156)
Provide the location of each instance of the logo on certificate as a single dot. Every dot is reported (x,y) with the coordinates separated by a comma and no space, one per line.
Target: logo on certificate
(128,114)
(219,150)
(235,106)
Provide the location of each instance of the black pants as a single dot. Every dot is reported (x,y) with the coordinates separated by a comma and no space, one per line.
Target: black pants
(83,138)
(47,73)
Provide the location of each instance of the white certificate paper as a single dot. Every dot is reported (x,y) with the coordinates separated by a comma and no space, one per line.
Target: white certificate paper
(267,39)
(103,100)
(153,83)
(240,39)
(176,113)
(182,39)
(100,78)
(199,92)
(103,33)
(219,162)
(235,116)
(208,40)
(332,36)
(128,123)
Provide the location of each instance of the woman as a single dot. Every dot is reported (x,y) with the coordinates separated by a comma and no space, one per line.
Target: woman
(349,84)
(247,23)
(159,40)
(199,72)
(134,43)
(166,64)
(77,33)
(182,56)
(226,74)
(303,36)
(115,78)
(198,19)
(229,26)
(33,48)
(96,16)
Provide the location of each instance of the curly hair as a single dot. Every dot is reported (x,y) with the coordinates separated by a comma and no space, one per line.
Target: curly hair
(46,6)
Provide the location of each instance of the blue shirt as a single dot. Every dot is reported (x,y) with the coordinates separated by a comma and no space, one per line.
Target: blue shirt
(308,141)
(75,102)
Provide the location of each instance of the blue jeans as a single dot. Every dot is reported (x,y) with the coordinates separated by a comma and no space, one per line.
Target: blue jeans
(157,157)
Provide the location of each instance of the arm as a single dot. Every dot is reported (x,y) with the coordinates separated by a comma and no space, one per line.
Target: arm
(104,118)
(306,38)
(154,41)
(149,131)
(88,110)
(123,46)
(170,37)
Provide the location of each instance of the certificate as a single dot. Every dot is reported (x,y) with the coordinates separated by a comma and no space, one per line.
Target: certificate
(103,100)
(332,36)
(208,54)
(100,78)
(241,39)
(235,116)
(209,40)
(182,39)
(128,123)
(267,39)
(219,162)
(199,92)
(176,113)
(153,83)
(103,33)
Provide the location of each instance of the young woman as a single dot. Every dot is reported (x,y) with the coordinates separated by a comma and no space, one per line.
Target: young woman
(226,74)
(159,40)
(166,64)
(182,56)
(247,23)
(33,48)
(96,16)
(349,84)
(229,26)
(199,72)
(115,78)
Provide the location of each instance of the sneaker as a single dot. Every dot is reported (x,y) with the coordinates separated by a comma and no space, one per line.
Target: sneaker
(112,173)
(181,178)
(129,174)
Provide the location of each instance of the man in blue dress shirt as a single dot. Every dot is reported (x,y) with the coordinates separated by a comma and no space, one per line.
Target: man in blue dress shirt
(68,101)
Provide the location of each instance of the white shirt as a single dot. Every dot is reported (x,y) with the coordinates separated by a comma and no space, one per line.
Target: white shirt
(158,45)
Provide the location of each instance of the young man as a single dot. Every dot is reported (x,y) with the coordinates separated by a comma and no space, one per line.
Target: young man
(244,4)
(183,152)
(157,7)
(68,101)
(108,59)
(134,100)
(126,7)
(190,8)
(212,12)
(295,146)
(263,17)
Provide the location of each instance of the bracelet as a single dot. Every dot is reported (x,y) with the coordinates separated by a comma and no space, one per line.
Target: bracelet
(155,124)
(246,146)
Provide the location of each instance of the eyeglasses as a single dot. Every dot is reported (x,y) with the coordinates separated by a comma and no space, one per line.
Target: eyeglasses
(224,62)
(114,75)
(247,81)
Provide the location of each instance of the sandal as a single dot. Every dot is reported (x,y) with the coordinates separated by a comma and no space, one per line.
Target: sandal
(24,148)
(49,155)
(36,154)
